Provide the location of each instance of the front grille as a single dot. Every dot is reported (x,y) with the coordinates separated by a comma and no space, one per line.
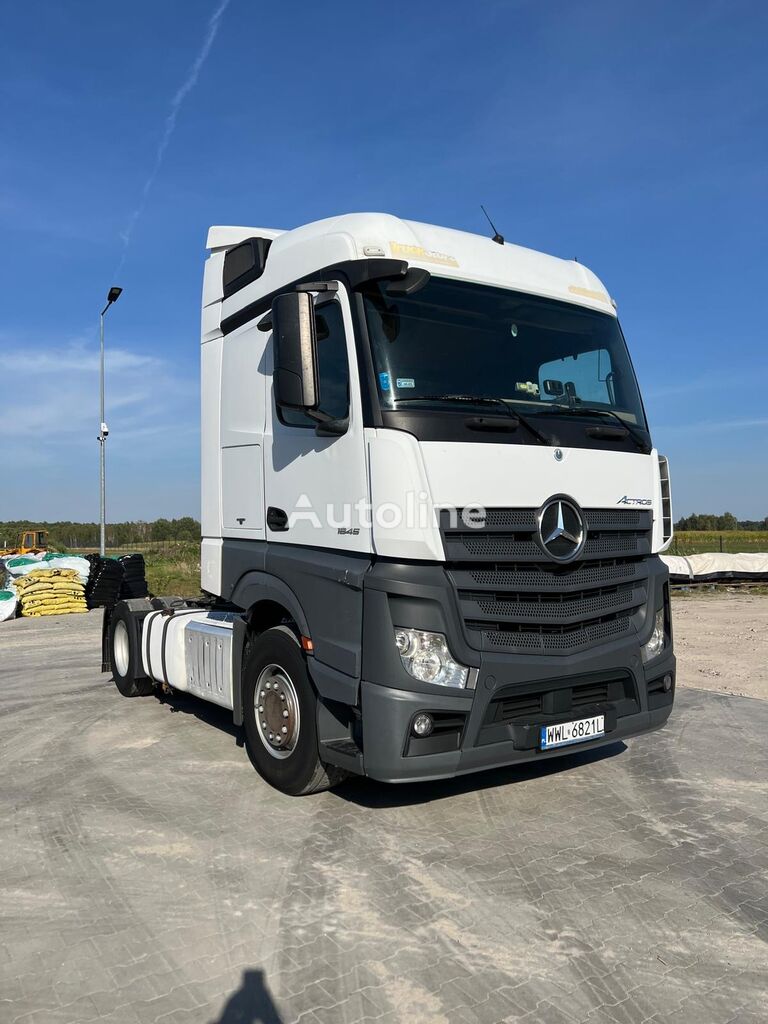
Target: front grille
(562,698)
(523,706)
(513,597)
(591,693)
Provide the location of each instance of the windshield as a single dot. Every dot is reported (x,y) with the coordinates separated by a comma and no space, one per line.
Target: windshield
(452,341)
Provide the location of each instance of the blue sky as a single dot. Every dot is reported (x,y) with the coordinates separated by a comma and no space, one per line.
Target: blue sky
(630,135)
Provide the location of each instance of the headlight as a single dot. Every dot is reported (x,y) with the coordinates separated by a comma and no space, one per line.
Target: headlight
(655,645)
(426,657)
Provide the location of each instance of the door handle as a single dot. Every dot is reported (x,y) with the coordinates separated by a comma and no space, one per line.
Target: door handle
(277,519)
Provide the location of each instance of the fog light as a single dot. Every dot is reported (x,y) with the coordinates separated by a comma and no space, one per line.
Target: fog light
(423,725)
(667,683)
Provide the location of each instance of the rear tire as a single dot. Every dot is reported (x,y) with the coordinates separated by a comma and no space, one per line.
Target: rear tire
(280,716)
(125,654)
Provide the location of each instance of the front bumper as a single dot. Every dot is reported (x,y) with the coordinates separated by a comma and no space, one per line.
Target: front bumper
(626,691)
(388,713)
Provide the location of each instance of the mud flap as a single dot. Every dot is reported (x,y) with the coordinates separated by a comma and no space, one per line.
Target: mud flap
(239,633)
(106,661)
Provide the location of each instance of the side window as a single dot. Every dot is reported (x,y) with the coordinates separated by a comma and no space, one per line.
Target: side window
(333,368)
(589,372)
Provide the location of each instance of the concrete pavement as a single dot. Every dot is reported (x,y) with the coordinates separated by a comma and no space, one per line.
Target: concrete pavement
(148,875)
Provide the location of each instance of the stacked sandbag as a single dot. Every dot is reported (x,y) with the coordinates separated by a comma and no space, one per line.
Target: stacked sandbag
(104,582)
(134,577)
(51,592)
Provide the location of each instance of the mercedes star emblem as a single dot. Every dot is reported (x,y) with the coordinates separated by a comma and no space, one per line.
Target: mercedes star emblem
(562,530)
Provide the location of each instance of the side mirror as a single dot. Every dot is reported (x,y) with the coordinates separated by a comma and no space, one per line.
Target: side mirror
(295,338)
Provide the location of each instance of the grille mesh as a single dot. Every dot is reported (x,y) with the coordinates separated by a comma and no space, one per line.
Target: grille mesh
(523,546)
(540,578)
(582,605)
(552,642)
(597,519)
(514,597)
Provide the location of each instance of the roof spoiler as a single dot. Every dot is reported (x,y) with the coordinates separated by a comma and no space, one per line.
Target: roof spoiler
(225,237)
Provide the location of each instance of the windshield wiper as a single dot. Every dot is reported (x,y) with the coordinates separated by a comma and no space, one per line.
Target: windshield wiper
(515,416)
(586,410)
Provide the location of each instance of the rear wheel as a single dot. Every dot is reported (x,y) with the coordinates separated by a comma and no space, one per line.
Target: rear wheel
(125,654)
(280,716)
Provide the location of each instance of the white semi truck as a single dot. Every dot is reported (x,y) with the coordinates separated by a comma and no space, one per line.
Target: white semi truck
(431,510)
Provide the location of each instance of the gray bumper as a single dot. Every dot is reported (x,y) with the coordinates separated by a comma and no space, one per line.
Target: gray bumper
(420,597)
(388,713)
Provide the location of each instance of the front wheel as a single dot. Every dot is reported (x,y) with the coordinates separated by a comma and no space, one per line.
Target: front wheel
(280,716)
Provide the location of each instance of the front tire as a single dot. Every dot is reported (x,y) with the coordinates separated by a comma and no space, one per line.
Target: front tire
(280,716)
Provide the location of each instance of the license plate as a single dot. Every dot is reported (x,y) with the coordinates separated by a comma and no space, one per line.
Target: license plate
(565,733)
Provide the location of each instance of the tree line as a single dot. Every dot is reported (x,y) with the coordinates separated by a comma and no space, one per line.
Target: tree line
(727,521)
(122,535)
(118,535)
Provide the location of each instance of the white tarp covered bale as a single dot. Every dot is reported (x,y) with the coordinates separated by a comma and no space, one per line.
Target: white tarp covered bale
(19,565)
(714,566)
(8,603)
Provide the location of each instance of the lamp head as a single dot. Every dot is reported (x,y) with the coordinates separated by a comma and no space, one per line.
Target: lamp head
(114,294)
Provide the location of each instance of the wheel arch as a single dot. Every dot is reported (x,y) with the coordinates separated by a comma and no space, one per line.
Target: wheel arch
(268,602)
(260,592)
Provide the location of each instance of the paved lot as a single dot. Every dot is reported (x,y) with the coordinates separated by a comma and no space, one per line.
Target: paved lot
(722,642)
(148,875)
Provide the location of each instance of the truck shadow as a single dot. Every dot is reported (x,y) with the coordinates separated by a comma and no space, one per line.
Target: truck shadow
(369,793)
(251,1003)
(210,714)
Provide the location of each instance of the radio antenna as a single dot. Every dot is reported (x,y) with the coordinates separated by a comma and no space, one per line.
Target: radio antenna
(496,236)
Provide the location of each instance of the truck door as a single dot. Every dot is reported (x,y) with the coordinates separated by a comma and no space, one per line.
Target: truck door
(316,488)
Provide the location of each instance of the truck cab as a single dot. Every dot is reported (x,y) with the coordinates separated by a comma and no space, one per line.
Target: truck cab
(431,506)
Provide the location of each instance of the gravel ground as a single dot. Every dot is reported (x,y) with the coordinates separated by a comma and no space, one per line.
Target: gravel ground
(149,877)
(721,641)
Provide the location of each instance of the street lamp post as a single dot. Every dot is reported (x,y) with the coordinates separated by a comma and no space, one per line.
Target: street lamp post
(113,296)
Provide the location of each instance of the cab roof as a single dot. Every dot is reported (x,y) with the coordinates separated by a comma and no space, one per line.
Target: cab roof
(443,251)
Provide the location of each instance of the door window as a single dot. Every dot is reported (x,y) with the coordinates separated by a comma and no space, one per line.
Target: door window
(333,369)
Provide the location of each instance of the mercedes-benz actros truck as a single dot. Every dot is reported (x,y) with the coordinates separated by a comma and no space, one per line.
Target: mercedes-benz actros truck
(432,511)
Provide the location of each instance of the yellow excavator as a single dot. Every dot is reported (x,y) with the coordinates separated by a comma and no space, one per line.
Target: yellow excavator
(30,542)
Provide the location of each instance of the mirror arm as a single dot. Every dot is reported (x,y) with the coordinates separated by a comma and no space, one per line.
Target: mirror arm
(328,426)
(332,427)
(318,286)
(329,288)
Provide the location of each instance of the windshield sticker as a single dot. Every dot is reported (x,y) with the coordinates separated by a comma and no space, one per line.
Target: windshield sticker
(406,382)
(384,381)
(418,252)
(527,386)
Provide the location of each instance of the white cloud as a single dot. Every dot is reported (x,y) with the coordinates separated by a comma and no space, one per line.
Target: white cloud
(49,421)
(51,395)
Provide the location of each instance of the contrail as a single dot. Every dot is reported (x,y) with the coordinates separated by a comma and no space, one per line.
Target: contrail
(170,124)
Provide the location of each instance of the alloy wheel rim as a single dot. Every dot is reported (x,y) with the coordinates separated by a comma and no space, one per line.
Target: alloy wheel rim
(276,707)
